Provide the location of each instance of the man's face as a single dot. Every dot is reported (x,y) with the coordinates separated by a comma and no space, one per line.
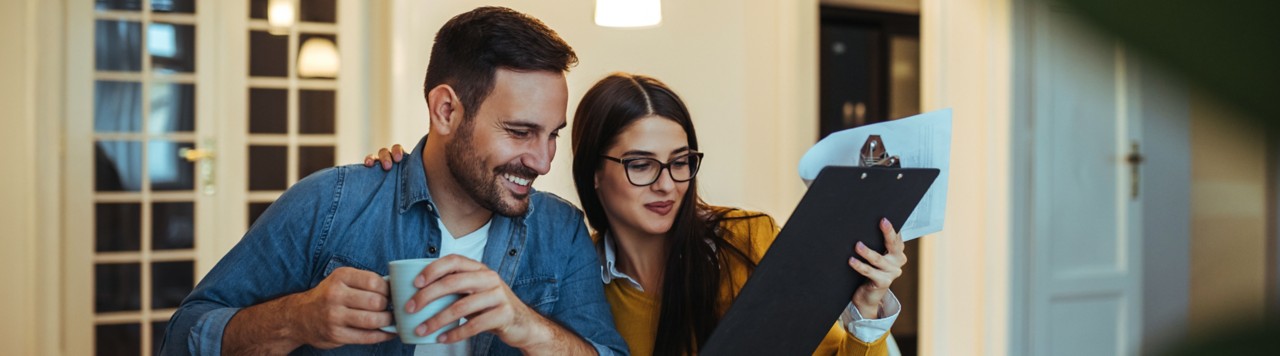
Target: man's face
(511,140)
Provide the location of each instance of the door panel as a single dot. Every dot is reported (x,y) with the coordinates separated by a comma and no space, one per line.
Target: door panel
(1070,313)
(1084,273)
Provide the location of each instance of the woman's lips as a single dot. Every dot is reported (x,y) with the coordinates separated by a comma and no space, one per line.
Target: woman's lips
(660,208)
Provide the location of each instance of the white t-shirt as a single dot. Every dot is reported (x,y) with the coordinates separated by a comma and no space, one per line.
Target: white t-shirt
(469,246)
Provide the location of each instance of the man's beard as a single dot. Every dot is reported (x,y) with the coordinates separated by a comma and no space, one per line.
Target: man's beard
(484,187)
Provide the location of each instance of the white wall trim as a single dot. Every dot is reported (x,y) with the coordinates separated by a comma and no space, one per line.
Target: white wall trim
(999,263)
(1020,174)
(898,6)
(966,289)
(77,261)
(49,115)
(18,215)
(352,114)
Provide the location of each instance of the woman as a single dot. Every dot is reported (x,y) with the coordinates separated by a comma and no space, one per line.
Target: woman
(662,248)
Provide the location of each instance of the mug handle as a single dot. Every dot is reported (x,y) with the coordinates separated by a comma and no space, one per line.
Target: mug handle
(390,328)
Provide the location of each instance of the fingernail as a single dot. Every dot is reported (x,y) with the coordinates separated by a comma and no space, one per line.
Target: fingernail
(410,306)
(442,339)
(420,282)
(884,222)
(854,261)
(421,330)
(861,246)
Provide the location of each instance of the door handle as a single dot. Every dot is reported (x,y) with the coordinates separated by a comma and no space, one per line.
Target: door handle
(194,154)
(204,160)
(1134,159)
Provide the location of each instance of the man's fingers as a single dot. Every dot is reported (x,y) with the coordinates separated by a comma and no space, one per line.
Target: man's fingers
(348,335)
(474,326)
(368,320)
(364,300)
(368,160)
(475,305)
(456,283)
(447,265)
(362,280)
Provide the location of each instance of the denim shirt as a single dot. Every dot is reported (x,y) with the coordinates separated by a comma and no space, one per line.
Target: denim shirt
(354,216)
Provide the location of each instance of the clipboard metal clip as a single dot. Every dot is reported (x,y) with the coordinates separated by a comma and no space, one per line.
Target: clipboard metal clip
(874,154)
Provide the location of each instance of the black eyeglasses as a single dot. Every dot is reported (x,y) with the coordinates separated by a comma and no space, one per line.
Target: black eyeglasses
(643,171)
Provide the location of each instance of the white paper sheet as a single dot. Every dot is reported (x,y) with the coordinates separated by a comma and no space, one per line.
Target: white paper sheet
(921,141)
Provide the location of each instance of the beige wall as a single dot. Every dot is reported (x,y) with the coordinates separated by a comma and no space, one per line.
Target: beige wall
(17,184)
(30,78)
(746,69)
(1228,216)
(965,303)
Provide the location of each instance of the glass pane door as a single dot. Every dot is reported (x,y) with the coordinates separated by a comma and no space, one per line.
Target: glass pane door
(169,98)
(292,90)
(144,196)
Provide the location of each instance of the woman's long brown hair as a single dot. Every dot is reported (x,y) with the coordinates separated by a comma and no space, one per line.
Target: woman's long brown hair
(692,280)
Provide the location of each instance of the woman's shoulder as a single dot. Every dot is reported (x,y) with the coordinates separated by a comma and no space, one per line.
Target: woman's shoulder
(732,218)
(746,229)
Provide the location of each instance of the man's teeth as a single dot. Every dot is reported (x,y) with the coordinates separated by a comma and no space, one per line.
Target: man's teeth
(516,180)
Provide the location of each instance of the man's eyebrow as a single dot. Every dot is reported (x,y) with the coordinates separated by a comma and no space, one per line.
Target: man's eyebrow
(517,123)
(532,126)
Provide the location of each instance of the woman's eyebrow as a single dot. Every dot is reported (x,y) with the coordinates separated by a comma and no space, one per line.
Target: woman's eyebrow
(638,153)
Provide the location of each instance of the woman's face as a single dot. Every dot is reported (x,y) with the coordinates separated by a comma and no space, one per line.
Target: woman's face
(649,209)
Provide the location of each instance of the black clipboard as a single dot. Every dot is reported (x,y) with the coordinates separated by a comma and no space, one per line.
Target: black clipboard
(804,282)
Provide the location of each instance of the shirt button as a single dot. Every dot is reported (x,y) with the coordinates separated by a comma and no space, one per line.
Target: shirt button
(512,252)
(431,250)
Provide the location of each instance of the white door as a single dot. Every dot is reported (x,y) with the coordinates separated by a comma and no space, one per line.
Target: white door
(1084,268)
(151,80)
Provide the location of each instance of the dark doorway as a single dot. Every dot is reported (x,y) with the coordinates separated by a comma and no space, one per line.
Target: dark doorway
(870,72)
(870,65)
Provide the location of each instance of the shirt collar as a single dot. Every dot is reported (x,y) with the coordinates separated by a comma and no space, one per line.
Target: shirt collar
(413,180)
(608,268)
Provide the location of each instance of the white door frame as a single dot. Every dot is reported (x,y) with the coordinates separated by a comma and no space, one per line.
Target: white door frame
(50,110)
(78,257)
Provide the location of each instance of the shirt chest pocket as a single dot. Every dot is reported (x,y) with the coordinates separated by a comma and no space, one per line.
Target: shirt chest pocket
(337,262)
(538,292)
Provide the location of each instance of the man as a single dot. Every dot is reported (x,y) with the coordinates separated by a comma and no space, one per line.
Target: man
(307,275)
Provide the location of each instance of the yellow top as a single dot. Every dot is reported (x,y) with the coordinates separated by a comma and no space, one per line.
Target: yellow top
(636,313)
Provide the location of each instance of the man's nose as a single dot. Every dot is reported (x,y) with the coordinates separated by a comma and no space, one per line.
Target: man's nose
(539,158)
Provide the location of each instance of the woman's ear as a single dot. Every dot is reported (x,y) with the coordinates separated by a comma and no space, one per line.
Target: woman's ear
(444,109)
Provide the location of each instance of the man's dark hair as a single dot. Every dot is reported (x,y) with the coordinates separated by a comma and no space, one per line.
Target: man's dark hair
(470,48)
